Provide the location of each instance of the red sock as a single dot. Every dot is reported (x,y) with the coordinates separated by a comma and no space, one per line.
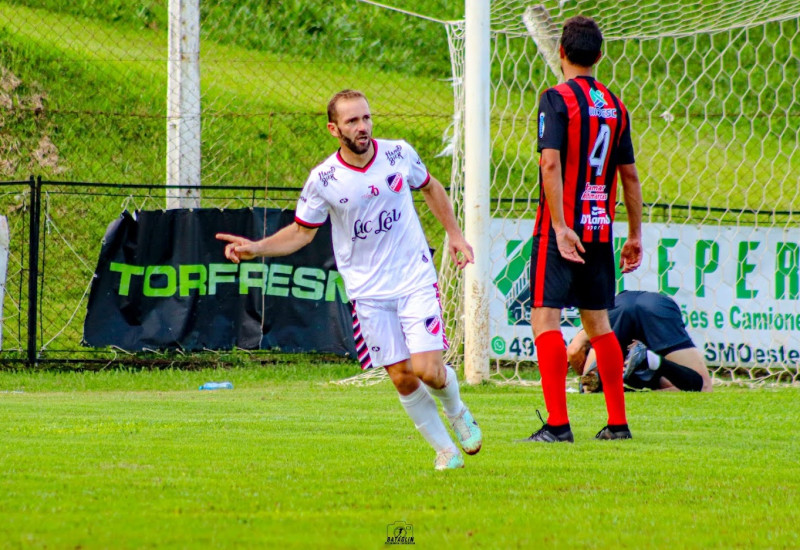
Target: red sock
(552,355)
(610,364)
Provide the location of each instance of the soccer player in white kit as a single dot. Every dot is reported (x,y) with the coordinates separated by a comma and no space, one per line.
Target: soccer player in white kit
(383,257)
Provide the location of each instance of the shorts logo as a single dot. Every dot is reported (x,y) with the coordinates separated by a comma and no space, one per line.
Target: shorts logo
(395,182)
(375,348)
(343,200)
(433,325)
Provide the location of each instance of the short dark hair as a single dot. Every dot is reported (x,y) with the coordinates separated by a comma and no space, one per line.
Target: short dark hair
(581,40)
(344,94)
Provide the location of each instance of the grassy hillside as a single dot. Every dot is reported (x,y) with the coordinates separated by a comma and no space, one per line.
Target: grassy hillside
(107,82)
(97,70)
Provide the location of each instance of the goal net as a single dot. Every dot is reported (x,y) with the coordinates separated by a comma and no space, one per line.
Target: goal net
(712,88)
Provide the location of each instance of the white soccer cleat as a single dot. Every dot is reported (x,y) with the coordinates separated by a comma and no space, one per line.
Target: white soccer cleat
(449,459)
(467,431)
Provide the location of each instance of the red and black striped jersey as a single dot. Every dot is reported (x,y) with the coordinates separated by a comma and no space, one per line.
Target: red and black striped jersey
(590,127)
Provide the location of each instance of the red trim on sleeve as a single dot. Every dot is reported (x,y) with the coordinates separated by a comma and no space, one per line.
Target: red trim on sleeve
(309,225)
(424,183)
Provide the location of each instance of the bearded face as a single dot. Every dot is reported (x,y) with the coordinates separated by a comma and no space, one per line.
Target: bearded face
(353,125)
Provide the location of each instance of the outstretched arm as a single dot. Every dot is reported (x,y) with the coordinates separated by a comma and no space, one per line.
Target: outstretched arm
(286,241)
(439,203)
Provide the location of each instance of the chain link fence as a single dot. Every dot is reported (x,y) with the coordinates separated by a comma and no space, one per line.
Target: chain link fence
(83,98)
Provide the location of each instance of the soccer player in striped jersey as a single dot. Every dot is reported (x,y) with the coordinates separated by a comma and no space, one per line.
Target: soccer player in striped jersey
(585,142)
(384,260)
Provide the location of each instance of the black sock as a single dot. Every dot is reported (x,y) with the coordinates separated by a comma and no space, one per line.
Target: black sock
(681,377)
(559,430)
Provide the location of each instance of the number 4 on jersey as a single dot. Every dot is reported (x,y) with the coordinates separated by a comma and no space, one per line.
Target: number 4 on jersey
(597,158)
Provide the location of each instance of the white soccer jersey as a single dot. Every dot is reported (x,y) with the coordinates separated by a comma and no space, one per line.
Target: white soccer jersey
(380,248)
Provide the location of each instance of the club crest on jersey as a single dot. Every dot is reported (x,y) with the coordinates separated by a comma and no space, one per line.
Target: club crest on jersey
(326,176)
(395,182)
(433,325)
(393,154)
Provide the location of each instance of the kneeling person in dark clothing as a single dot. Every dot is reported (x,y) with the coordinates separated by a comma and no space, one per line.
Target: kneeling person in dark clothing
(660,353)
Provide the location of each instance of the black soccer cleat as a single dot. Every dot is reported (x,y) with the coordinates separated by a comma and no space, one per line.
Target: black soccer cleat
(608,433)
(546,435)
(636,360)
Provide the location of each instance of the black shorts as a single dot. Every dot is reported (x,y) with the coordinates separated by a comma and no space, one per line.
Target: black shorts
(652,318)
(560,283)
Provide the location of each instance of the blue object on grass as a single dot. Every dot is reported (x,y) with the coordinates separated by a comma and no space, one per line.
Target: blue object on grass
(217,386)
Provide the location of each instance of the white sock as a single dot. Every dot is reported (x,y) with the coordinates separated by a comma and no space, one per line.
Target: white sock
(653,360)
(449,395)
(422,409)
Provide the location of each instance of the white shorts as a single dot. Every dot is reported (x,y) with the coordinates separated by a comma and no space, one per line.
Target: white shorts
(394,329)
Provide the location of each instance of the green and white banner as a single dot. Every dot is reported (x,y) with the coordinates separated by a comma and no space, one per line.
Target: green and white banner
(738,288)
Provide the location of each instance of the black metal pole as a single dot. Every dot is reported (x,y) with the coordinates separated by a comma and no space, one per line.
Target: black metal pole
(33,268)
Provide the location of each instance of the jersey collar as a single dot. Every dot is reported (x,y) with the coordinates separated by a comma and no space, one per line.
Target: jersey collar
(358,168)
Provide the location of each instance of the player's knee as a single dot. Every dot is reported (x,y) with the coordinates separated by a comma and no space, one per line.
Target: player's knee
(405,383)
(435,378)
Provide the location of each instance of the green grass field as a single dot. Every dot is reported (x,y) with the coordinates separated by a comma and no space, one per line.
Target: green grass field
(123,459)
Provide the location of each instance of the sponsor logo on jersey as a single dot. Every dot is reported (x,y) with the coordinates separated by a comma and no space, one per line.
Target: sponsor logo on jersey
(395,182)
(326,177)
(394,154)
(599,110)
(598,98)
(383,223)
(373,192)
(433,325)
(303,198)
(597,219)
(541,125)
(594,193)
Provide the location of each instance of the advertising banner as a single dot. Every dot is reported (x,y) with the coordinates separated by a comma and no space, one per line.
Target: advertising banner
(163,282)
(738,288)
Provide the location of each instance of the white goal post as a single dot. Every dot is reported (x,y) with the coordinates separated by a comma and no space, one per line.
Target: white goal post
(711,87)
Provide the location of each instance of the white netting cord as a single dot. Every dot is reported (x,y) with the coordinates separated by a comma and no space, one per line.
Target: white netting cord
(711,88)
(450,277)
(647,19)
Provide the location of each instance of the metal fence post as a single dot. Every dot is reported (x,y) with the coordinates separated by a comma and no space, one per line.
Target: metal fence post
(33,267)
